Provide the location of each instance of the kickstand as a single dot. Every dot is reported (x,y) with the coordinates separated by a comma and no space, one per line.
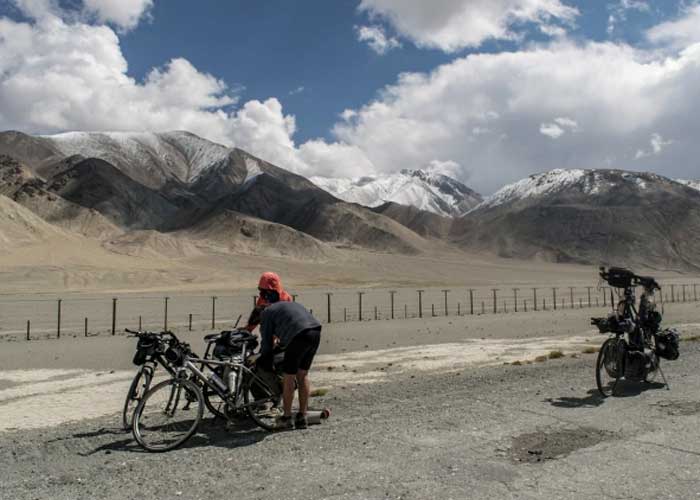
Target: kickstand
(663,377)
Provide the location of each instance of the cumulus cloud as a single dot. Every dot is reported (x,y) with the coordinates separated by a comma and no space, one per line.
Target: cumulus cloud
(678,33)
(611,95)
(618,12)
(125,14)
(451,25)
(376,39)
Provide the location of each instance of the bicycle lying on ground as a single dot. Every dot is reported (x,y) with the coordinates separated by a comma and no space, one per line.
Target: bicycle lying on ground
(636,344)
(169,413)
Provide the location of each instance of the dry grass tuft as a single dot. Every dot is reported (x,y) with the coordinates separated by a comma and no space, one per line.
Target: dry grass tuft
(540,359)
(316,393)
(590,350)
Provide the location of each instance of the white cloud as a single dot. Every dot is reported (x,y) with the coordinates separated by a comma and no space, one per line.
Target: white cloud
(376,39)
(297,90)
(451,25)
(619,12)
(658,144)
(680,32)
(125,14)
(551,130)
(611,95)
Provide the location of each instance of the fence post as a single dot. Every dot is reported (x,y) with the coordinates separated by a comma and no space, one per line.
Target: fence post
(213,312)
(605,300)
(589,295)
(673,293)
(505,307)
(525,305)
(446,292)
(255,301)
(515,298)
(376,316)
(359,305)
(165,315)
(294,297)
(29,327)
(405,311)
(328,295)
(571,289)
(684,292)
(86,327)
(459,308)
(114,316)
(140,323)
(695,292)
(483,307)
(345,314)
(58,322)
(544,304)
(534,297)
(495,298)
(433,309)
(420,303)
(189,325)
(554,298)
(471,301)
(391,294)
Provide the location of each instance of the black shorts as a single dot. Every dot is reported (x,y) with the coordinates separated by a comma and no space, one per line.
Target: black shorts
(300,352)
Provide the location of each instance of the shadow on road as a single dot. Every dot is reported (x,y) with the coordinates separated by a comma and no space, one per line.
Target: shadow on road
(593,398)
(211,432)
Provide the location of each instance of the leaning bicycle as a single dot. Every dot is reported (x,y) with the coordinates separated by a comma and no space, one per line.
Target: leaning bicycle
(636,345)
(150,349)
(170,412)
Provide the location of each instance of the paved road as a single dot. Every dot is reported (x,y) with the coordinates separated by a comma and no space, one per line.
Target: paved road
(534,431)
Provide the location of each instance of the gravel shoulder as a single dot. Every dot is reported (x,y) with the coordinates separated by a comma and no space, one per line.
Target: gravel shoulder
(532,431)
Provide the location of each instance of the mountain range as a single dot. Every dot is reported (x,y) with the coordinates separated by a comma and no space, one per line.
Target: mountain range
(423,189)
(178,195)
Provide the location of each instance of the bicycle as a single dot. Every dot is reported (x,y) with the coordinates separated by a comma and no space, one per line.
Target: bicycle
(170,412)
(149,354)
(635,347)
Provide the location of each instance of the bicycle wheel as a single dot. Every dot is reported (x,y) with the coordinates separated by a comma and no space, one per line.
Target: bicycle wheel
(609,366)
(213,402)
(262,404)
(168,415)
(139,387)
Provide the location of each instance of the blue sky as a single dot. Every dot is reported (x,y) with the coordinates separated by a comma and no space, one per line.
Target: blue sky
(272,48)
(487,90)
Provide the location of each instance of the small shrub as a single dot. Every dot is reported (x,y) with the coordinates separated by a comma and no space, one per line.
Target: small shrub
(694,338)
(540,359)
(590,350)
(555,355)
(517,363)
(316,393)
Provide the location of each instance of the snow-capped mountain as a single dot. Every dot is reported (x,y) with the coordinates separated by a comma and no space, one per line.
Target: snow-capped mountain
(150,158)
(589,216)
(692,184)
(583,182)
(423,189)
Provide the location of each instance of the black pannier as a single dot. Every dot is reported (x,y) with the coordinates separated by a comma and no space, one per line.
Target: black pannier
(667,344)
(608,325)
(618,277)
(231,343)
(145,348)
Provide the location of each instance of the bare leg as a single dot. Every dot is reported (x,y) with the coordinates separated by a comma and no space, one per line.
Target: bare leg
(288,394)
(304,391)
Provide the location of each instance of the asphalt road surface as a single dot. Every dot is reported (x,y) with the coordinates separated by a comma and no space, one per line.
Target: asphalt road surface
(531,431)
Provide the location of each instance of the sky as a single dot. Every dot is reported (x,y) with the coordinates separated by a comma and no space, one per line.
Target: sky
(488,91)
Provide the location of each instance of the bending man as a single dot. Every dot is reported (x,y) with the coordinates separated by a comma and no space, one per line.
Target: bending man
(294,329)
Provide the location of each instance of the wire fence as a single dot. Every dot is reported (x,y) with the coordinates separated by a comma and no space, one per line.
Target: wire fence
(53,317)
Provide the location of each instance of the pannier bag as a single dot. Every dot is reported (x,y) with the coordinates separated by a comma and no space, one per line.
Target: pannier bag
(667,344)
(618,277)
(608,325)
(144,349)
(231,342)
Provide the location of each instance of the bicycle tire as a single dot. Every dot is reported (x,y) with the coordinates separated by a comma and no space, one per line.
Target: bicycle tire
(142,431)
(134,395)
(213,402)
(262,410)
(609,347)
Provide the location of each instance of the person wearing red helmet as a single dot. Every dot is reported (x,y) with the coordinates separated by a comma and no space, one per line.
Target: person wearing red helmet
(271,291)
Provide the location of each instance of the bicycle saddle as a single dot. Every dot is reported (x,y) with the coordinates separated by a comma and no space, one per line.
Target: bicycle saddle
(212,337)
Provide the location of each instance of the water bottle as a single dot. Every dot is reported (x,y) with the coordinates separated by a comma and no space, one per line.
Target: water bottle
(214,379)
